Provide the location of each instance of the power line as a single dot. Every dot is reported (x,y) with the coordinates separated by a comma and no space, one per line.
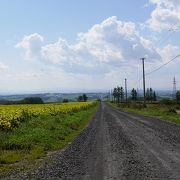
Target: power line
(171,31)
(147,74)
(162,65)
(137,81)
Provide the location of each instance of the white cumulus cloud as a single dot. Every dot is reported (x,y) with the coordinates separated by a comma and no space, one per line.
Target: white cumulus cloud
(166,14)
(109,45)
(32,45)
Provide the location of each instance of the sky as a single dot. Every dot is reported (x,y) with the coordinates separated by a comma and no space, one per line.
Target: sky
(92,45)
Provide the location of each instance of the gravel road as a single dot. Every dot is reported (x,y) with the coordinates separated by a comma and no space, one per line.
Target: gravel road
(117,145)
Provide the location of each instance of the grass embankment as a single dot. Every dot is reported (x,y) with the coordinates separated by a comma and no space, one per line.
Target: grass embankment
(162,111)
(38,135)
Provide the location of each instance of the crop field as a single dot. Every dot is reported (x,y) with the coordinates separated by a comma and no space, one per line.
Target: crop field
(28,132)
(12,115)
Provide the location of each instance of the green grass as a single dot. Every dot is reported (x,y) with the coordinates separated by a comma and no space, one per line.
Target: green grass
(164,112)
(35,137)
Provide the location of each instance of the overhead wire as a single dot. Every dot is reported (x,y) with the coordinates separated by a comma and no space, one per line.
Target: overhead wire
(171,31)
(147,74)
(162,65)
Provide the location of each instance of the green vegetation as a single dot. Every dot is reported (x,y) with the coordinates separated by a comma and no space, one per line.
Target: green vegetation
(38,135)
(28,100)
(82,98)
(11,116)
(163,111)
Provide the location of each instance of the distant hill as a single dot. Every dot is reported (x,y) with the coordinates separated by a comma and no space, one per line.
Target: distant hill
(58,97)
(53,97)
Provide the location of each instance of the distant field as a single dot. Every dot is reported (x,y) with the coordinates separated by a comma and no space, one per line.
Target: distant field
(32,130)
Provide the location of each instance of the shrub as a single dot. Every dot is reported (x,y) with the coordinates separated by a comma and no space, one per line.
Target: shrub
(32,100)
(167,102)
(172,110)
(65,100)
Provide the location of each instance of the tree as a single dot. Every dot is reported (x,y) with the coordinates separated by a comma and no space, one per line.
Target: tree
(32,100)
(80,98)
(84,97)
(118,93)
(115,93)
(134,94)
(150,94)
(154,96)
(65,100)
(121,93)
(178,96)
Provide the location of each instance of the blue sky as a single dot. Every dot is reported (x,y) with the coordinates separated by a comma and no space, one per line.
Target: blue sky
(52,45)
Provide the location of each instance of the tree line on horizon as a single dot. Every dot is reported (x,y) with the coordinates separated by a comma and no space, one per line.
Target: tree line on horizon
(119,95)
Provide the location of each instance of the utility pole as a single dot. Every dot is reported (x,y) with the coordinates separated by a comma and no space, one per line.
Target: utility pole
(111,95)
(174,89)
(126,88)
(144,86)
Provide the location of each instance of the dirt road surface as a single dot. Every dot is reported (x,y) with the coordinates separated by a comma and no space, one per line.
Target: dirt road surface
(117,145)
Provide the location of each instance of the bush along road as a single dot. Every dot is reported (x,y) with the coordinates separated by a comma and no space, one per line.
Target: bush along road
(116,145)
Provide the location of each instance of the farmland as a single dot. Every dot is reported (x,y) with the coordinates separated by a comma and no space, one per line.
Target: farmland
(28,132)
(11,116)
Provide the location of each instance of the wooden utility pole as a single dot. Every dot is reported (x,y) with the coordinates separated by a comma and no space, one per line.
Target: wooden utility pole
(126,88)
(144,86)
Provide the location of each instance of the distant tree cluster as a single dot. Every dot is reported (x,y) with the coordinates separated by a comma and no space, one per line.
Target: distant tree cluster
(28,100)
(178,96)
(82,98)
(118,94)
(134,94)
(65,101)
(32,100)
(150,95)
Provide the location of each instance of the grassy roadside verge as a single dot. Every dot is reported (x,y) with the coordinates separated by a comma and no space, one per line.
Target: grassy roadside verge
(161,111)
(37,136)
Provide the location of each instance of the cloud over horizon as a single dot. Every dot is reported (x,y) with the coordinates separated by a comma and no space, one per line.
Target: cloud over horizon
(108,45)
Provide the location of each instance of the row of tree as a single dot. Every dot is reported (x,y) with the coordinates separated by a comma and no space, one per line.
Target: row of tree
(118,94)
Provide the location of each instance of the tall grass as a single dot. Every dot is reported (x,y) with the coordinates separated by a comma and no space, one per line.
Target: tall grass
(162,111)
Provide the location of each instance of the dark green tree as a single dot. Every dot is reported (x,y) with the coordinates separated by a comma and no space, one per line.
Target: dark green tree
(118,94)
(84,97)
(80,99)
(115,93)
(134,94)
(65,100)
(178,96)
(121,93)
(32,100)
(150,94)
(154,96)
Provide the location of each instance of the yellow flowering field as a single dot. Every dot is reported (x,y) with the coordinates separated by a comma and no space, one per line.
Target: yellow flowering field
(12,115)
